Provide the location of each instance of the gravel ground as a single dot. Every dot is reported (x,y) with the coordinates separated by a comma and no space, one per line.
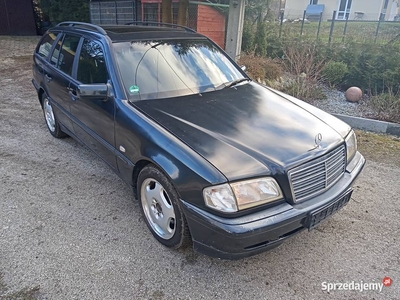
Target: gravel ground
(336,103)
(70,228)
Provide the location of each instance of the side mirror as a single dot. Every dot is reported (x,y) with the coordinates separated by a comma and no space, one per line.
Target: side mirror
(243,68)
(97,91)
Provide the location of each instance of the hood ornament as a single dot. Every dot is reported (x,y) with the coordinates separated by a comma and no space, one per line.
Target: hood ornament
(318,142)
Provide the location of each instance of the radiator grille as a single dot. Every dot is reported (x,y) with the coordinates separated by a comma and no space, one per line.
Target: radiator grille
(317,176)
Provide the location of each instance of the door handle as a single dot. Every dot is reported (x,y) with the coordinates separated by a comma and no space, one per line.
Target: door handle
(48,78)
(73,95)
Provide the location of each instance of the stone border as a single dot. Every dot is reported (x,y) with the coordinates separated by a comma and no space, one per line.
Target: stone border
(371,125)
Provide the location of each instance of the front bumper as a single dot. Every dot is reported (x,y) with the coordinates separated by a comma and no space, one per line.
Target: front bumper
(248,235)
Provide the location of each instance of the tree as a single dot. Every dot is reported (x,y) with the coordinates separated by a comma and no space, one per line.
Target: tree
(248,37)
(65,10)
(256,9)
(261,38)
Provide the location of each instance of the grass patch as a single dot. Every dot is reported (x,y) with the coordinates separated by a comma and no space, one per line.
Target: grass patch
(379,147)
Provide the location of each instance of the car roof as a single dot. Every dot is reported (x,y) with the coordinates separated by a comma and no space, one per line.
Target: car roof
(130,32)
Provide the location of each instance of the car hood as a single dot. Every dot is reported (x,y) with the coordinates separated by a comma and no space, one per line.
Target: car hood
(249,130)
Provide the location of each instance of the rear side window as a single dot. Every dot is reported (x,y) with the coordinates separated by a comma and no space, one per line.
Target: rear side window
(92,66)
(67,53)
(46,44)
(56,52)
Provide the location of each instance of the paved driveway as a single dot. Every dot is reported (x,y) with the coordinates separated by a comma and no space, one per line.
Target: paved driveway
(69,225)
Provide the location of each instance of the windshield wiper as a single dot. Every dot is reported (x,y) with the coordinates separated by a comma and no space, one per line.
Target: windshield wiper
(232,83)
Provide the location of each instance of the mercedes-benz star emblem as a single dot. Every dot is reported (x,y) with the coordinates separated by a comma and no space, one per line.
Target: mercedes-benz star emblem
(318,140)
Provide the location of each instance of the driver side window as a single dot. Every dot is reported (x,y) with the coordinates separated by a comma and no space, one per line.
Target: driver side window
(92,66)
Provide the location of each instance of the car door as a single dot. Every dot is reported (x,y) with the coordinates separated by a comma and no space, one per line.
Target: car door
(57,74)
(94,117)
(42,54)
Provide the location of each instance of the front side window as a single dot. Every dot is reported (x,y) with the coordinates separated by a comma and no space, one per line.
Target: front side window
(92,65)
(163,69)
(46,44)
(67,54)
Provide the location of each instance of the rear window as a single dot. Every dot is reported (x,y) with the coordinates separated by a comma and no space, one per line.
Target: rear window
(45,46)
(65,57)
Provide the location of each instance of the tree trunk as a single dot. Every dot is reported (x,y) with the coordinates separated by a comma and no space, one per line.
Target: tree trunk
(183,12)
(166,7)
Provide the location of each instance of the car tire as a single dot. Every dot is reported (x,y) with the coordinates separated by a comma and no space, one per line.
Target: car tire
(51,120)
(159,203)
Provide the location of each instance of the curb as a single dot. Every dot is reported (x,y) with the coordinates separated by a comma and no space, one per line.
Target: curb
(371,125)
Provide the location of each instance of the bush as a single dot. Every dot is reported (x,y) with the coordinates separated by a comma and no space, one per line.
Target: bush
(261,39)
(387,106)
(372,67)
(248,37)
(274,47)
(65,10)
(334,72)
(304,58)
(303,89)
(261,68)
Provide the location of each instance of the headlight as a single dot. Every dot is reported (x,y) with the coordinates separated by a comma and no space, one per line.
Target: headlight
(242,195)
(255,192)
(351,145)
(220,197)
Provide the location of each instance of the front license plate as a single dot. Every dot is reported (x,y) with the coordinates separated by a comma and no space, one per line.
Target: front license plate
(321,214)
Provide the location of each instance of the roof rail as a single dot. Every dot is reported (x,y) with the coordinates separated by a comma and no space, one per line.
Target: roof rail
(160,24)
(82,24)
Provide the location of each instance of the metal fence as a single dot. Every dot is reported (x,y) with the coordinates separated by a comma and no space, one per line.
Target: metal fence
(351,28)
(112,12)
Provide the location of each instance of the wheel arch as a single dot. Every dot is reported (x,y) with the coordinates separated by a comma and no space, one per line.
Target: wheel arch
(161,162)
(41,92)
(139,166)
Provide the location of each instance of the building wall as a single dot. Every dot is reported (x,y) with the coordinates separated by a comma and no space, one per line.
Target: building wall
(17,17)
(370,8)
(330,7)
(392,10)
(295,8)
(211,23)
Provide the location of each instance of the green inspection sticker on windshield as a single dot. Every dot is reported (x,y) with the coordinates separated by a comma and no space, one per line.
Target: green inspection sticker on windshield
(134,89)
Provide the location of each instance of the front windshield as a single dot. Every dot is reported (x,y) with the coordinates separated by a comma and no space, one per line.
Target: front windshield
(164,69)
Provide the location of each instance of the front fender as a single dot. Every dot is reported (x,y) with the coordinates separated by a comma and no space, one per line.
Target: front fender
(142,139)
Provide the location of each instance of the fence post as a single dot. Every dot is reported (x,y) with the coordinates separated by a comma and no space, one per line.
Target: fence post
(280,27)
(345,27)
(116,12)
(332,26)
(302,23)
(100,13)
(379,25)
(319,24)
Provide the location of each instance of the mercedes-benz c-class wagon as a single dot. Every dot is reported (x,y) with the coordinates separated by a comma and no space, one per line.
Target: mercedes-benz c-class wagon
(215,159)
